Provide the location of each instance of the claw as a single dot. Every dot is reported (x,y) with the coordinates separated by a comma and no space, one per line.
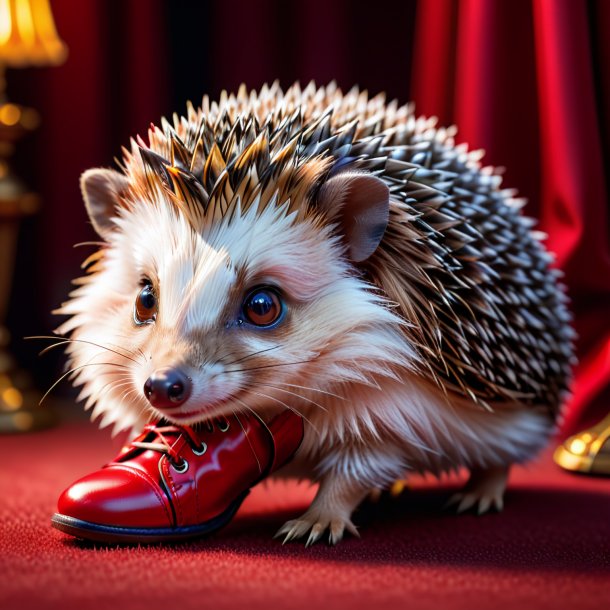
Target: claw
(453,500)
(297,528)
(352,529)
(289,536)
(283,530)
(467,502)
(336,530)
(316,531)
(484,504)
(289,529)
(484,489)
(294,533)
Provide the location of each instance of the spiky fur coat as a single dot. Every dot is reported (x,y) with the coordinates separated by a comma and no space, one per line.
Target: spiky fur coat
(447,345)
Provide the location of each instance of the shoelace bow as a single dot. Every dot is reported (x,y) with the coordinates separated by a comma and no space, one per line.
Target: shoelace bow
(166,447)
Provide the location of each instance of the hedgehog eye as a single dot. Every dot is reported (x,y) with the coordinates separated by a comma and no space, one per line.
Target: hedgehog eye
(145,310)
(262,306)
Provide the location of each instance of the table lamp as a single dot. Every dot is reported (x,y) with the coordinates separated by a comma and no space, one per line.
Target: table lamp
(27,38)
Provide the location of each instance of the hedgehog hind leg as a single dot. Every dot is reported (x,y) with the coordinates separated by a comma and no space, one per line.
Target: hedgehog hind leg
(483,491)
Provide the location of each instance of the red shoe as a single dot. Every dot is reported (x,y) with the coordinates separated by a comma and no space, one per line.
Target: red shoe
(177,482)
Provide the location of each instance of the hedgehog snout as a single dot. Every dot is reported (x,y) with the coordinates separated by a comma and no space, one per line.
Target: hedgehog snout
(168,388)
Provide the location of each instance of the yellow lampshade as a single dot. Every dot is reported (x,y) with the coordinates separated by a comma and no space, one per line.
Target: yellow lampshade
(27,34)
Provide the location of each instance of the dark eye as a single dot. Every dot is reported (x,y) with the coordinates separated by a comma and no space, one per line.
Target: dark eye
(262,307)
(145,310)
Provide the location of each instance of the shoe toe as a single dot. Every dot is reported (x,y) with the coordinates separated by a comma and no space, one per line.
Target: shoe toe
(117,496)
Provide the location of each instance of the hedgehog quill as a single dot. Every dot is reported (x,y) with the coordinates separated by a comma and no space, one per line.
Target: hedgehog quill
(334,255)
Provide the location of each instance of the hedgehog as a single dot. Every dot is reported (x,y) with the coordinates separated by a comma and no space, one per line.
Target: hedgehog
(412,315)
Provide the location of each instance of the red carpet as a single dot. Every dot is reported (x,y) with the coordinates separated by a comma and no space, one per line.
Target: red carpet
(550,548)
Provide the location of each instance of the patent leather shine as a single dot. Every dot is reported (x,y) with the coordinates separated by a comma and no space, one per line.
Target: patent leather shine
(145,488)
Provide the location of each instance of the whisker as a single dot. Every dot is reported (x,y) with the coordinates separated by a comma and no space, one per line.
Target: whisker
(128,338)
(313,402)
(262,351)
(90,243)
(76,368)
(145,409)
(124,378)
(131,402)
(256,415)
(260,468)
(295,411)
(131,351)
(127,393)
(50,347)
(270,366)
(64,341)
(304,387)
(227,355)
(113,386)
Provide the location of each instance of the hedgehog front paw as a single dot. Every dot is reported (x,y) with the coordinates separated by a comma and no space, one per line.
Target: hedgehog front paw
(316,524)
(484,490)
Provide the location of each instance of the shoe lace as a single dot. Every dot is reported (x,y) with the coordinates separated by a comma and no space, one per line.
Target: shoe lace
(160,443)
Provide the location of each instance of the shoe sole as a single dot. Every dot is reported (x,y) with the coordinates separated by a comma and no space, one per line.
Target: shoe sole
(97,532)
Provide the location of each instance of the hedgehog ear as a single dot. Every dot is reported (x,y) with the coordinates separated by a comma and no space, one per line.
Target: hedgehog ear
(360,204)
(102,191)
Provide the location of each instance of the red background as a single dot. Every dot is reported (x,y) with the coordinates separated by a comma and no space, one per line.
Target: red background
(527,80)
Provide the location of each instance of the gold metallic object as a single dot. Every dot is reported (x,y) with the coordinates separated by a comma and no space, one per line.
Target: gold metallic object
(588,451)
(27,38)
(398,487)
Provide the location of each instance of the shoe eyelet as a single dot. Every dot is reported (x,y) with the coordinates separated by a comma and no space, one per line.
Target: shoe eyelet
(181,467)
(200,450)
(223,426)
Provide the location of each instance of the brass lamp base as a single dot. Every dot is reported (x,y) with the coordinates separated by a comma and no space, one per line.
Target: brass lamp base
(587,452)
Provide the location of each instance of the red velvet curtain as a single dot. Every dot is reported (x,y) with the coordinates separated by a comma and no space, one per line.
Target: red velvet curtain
(111,88)
(527,80)
(113,84)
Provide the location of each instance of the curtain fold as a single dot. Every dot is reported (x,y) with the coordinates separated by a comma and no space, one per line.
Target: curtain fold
(574,197)
(112,86)
(525,87)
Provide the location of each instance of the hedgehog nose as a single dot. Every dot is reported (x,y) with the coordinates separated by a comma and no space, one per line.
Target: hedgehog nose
(167,388)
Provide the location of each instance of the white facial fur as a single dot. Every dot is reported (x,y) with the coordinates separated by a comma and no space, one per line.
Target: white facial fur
(335,329)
